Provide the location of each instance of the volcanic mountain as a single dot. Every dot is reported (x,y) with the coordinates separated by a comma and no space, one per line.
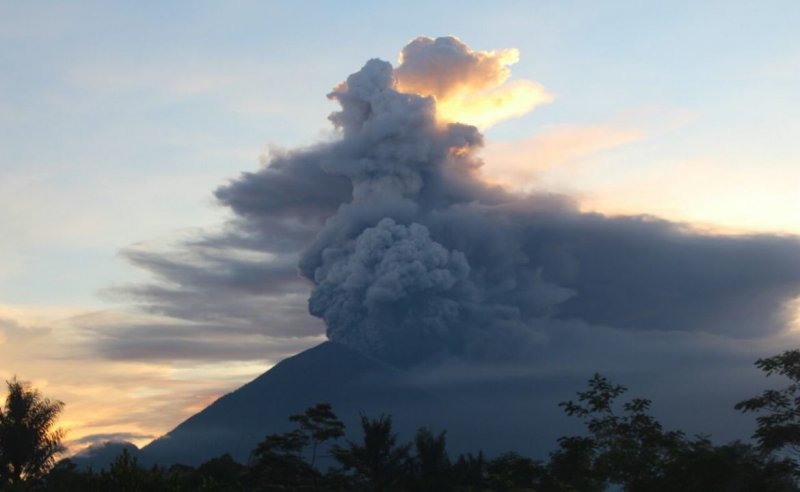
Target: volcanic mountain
(475,416)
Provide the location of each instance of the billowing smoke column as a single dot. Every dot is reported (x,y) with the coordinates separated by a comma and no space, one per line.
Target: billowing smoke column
(385,282)
(412,256)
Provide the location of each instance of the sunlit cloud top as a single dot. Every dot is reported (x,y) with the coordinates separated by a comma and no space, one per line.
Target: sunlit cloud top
(469,86)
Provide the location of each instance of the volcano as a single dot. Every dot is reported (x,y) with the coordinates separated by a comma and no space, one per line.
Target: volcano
(476,416)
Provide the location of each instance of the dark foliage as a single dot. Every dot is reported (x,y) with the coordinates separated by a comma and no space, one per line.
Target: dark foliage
(779,409)
(469,472)
(377,463)
(280,460)
(632,450)
(29,443)
(431,470)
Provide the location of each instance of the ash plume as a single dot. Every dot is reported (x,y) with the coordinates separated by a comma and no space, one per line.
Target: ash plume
(469,86)
(411,255)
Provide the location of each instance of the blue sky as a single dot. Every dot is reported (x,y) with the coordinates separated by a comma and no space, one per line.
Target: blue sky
(118,120)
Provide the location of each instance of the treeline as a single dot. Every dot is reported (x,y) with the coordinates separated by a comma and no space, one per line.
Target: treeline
(624,447)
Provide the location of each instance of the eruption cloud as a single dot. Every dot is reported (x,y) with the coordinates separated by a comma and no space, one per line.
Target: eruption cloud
(411,256)
(469,86)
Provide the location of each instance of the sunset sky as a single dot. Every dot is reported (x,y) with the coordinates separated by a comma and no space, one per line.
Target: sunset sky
(119,120)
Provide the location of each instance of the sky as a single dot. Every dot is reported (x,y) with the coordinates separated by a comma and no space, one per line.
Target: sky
(119,120)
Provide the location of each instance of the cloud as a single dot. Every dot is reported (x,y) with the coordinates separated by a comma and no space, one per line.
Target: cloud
(443,66)
(523,261)
(133,372)
(521,165)
(392,281)
(646,273)
(221,270)
(11,331)
(95,439)
(197,342)
(291,196)
(392,236)
(204,293)
(469,86)
(728,195)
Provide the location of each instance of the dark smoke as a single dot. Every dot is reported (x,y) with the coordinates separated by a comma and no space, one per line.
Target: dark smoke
(412,256)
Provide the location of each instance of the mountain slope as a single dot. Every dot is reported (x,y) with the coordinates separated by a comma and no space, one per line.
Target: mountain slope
(481,409)
(329,372)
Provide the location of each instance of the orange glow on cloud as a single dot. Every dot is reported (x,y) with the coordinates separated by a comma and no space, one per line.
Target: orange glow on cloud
(521,165)
(469,86)
(486,108)
(721,197)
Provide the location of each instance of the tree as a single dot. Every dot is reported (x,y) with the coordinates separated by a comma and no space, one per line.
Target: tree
(319,424)
(279,464)
(431,464)
(571,466)
(221,473)
(29,443)
(778,425)
(512,472)
(701,466)
(631,448)
(126,475)
(378,463)
(469,473)
(66,477)
(279,461)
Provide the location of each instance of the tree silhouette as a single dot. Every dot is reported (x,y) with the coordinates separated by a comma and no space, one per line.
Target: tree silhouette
(28,441)
(779,423)
(469,472)
(512,472)
(279,462)
(220,471)
(319,424)
(699,466)
(125,474)
(632,447)
(572,467)
(431,465)
(378,463)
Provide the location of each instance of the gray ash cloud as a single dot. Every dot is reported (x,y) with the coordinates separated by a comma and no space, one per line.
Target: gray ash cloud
(410,255)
